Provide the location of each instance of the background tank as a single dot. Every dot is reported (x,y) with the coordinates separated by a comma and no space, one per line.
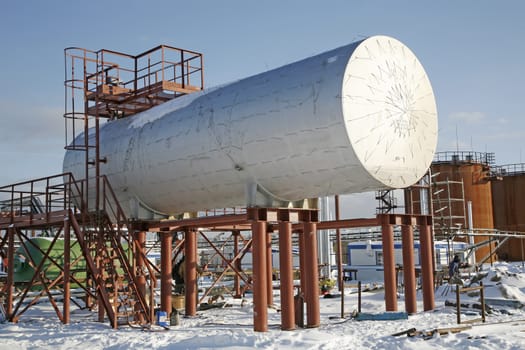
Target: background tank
(358,118)
(508,197)
(460,177)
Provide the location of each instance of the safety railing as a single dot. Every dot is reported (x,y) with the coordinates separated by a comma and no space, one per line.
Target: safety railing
(510,169)
(36,199)
(486,158)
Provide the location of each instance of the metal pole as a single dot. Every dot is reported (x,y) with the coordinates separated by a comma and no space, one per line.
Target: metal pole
(10,272)
(260,302)
(312,275)
(165,272)
(427,273)
(67,266)
(236,278)
(359,297)
(458,305)
(286,276)
(190,272)
(409,272)
(269,269)
(340,276)
(389,267)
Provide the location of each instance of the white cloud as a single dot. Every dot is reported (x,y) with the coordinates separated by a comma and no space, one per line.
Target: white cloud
(468,117)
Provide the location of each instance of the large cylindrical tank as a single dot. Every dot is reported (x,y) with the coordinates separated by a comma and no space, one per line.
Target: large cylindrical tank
(508,198)
(358,118)
(459,178)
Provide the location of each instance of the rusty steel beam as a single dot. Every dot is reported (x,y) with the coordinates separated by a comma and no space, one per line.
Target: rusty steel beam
(139,240)
(312,275)
(205,221)
(347,223)
(409,272)
(237,264)
(286,276)
(165,272)
(427,272)
(260,282)
(269,269)
(389,266)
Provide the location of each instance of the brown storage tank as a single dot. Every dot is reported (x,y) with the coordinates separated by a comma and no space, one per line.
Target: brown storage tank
(460,177)
(508,198)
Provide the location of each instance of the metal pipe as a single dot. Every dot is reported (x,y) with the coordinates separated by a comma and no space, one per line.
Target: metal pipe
(427,272)
(389,266)
(286,276)
(409,273)
(165,272)
(190,272)
(312,275)
(260,302)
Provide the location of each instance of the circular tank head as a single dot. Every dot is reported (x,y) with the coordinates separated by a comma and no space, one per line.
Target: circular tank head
(390,111)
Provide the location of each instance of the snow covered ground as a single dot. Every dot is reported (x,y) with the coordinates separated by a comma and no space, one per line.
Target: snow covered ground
(231,327)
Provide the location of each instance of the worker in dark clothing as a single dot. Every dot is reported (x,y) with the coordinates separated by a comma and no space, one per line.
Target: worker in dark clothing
(453,268)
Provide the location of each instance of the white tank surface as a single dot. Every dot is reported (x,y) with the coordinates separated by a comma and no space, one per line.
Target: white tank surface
(358,118)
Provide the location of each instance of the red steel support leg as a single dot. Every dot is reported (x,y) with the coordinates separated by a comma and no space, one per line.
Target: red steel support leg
(260,302)
(409,272)
(427,272)
(302,263)
(140,252)
(269,269)
(312,275)
(140,246)
(389,268)
(190,272)
(165,272)
(286,274)
(67,266)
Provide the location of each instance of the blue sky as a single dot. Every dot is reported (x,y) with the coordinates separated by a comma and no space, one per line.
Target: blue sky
(473,52)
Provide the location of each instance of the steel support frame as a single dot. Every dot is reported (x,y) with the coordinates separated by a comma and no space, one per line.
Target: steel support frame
(407,221)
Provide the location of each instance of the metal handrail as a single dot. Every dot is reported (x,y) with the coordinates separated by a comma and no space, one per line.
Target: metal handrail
(487,158)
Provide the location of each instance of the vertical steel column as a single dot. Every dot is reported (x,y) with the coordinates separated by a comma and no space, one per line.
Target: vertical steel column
(286,276)
(10,285)
(139,245)
(427,272)
(302,268)
(260,302)
(67,269)
(312,275)
(269,268)
(237,264)
(389,266)
(165,272)
(409,273)
(340,273)
(190,272)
